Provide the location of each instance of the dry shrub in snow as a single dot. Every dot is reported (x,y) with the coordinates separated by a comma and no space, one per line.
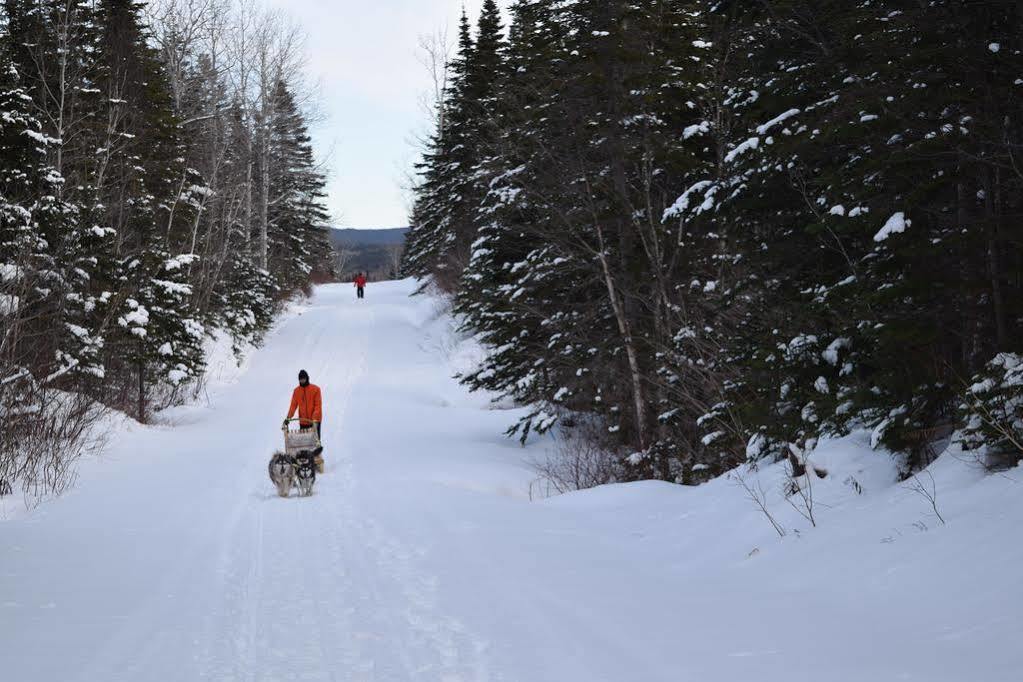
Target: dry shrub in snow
(42,435)
(582,459)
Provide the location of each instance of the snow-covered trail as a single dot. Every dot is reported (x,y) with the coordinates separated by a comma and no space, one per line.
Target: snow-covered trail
(420,556)
(174,560)
(178,562)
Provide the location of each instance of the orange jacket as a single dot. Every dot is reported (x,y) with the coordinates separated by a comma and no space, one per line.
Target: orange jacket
(306,399)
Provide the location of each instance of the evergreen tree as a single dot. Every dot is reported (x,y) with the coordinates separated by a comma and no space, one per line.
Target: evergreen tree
(138,175)
(52,45)
(24,256)
(127,207)
(452,187)
(158,343)
(504,288)
(445,162)
(43,347)
(724,230)
(298,219)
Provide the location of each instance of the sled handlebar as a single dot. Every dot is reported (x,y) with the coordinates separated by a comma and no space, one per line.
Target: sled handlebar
(299,419)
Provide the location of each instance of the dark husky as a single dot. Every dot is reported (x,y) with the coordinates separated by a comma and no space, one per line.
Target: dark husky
(305,472)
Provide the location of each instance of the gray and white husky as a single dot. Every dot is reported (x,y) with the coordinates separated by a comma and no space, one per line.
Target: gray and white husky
(282,473)
(298,471)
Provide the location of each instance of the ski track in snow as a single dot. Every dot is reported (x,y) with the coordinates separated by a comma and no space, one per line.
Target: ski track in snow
(235,583)
(420,558)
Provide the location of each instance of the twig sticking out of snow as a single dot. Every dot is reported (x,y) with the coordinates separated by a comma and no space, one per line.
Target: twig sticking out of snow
(758,496)
(801,467)
(928,493)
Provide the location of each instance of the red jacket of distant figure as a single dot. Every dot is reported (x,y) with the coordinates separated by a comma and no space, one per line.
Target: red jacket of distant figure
(360,281)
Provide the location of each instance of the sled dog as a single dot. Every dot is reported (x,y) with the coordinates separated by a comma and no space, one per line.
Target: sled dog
(305,473)
(282,473)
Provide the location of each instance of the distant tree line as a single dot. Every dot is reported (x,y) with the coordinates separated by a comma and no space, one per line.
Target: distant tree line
(704,232)
(378,260)
(157,183)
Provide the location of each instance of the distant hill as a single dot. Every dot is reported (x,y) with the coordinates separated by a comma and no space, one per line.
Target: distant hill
(394,235)
(375,252)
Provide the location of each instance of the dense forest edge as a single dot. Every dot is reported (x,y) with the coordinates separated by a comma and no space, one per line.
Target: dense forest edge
(157,188)
(697,234)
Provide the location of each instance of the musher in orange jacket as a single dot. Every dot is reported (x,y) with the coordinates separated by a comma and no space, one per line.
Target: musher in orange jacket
(308,402)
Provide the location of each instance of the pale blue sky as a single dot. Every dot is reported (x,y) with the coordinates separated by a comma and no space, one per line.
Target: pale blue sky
(364,56)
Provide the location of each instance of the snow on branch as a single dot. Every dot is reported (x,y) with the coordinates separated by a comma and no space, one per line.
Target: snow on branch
(681,204)
(744,147)
(780,118)
(896,225)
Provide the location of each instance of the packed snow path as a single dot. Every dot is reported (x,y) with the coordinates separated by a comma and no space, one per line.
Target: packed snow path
(420,557)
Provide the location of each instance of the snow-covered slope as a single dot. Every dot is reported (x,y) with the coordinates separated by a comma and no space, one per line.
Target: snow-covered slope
(421,556)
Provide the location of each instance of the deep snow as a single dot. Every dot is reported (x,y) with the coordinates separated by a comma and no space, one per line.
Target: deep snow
(421,556)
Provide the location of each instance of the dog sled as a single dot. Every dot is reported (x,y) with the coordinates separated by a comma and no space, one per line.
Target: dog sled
(297,466)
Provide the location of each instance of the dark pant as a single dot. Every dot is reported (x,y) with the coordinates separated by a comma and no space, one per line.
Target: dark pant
(361,291)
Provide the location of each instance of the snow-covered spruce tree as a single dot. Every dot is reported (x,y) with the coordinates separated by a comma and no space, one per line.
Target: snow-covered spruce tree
(992,412)
(943,299)
(870,314)
(22,173)
(297,221)
(139,175)
(674,78)
(766,256)
(727,230)
(943,268)
(705,80)
(156,340)
(593,155)
(484,111)
(566,175)
(54,46)
(610,185)
(244,303)
(451,187)
(40,428)
(909,219)
(508,287)
(431,231)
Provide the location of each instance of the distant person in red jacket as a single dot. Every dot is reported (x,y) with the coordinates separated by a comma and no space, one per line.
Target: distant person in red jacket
(360,285)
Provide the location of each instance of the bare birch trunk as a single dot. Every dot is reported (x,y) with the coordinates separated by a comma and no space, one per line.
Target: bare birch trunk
(625,329)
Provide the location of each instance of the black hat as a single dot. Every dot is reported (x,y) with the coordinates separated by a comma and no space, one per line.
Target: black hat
(302,374)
